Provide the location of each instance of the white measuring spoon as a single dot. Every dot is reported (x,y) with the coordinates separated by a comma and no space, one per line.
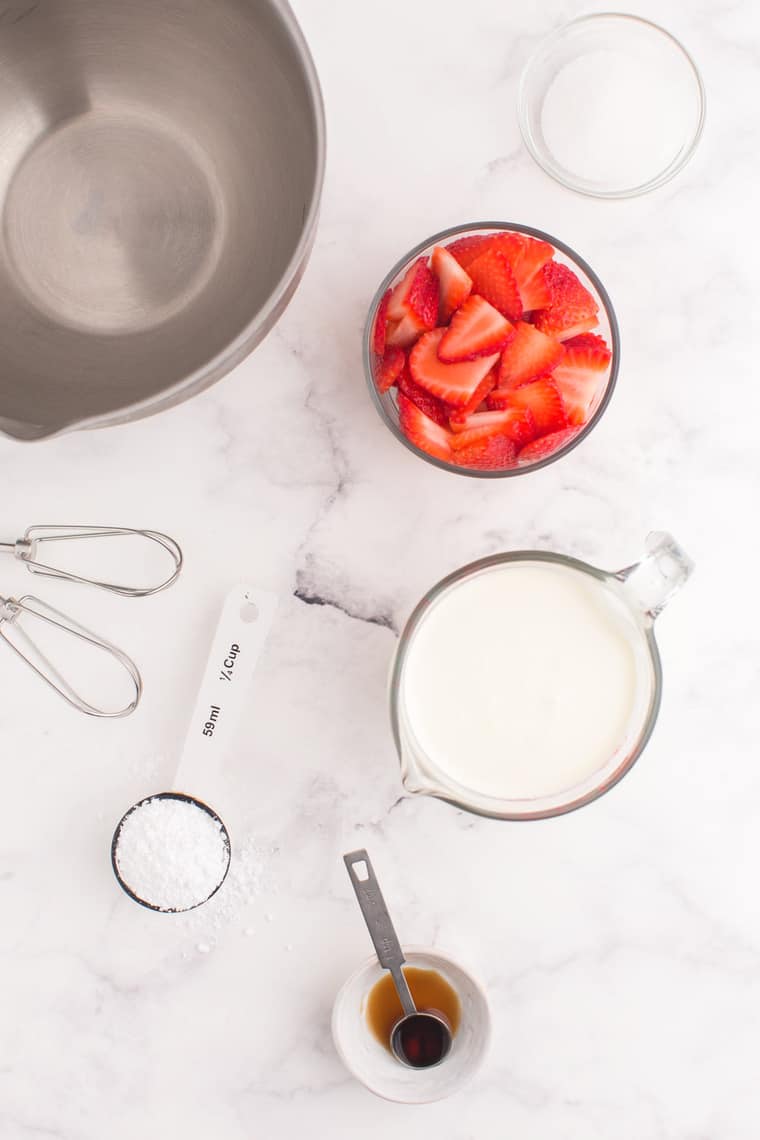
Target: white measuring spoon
(171,851)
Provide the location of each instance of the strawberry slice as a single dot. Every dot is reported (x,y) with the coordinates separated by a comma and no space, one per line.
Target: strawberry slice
(454,284)
(541,397)
(433,408)
(492,278)
(403,333)
(381,323)
(489,453)
(517,424)
(572,309)
(545,446)
(423,296)
(586,340)
(454,383)
(477,329)
(581,376)
(531,353)
(466,249)
(389,368)
(416,295)
(423,432)
(484,389)
(527,257)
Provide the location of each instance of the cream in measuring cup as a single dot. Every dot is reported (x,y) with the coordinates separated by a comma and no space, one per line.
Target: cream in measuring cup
(528,683)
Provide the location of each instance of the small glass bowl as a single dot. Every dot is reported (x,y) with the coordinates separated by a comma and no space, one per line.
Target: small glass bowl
(664,73)
(386,402)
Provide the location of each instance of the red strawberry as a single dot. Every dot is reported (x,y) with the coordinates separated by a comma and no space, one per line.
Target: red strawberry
(423,296)
(545,446)
(381,321)
(416,295)
(581,376)
(492,278)
(543,399)
(433,408)
(403,333)
(586,340)
(454,283)
(477,329)
(484,388)
(422,431)
(454,383)
(489,453)
(527,256)
(517,424)
(466,249)
(389,368)
(531,353)
(572,309)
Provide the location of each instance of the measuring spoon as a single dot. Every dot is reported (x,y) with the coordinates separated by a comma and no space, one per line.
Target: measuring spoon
(420,1038)
(159,845)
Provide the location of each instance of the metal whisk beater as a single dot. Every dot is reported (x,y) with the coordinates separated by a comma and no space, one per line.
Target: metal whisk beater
(16,614)
(28,550)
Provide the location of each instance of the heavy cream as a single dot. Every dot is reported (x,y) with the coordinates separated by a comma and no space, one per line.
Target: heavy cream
(525,680)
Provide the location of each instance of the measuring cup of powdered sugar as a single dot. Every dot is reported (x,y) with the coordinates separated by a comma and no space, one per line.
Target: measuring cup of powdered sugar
(171,851)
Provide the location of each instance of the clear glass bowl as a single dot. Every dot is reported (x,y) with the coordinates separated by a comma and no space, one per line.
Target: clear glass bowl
(647,111)
(608,328)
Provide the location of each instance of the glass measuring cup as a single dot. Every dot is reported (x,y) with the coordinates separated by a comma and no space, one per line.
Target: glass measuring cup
(638,594)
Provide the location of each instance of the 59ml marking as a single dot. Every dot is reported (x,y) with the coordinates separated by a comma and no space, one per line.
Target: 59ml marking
(213,717)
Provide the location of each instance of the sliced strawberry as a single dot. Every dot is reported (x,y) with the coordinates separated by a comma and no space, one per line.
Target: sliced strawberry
(484,389)
(477,329)
(389,368)
(403,333)
(454,284)
(416,295)
(423,296)
(433,408)
(492,278)
(454,383)
(527,256)
(581,375)
(531,353)
(466,249)
(423,432)
(381,322)
(572,309)
(517,424)
(545,446)
(586,340)
(489,453)
(542,398)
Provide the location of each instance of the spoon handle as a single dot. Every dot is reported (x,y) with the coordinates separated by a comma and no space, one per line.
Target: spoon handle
(384,937)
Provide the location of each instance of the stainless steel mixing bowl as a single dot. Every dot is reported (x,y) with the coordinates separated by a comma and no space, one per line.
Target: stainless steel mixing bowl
(161,165)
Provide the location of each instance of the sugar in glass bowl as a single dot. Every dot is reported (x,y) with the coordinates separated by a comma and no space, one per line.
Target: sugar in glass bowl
(386,403)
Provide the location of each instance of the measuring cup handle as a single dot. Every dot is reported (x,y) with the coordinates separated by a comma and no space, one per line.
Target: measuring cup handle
(375,912)
(652,582)
(244,624)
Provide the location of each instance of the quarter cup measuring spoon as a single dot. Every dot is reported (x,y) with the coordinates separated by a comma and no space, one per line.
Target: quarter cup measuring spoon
(245,622)
(420,1039)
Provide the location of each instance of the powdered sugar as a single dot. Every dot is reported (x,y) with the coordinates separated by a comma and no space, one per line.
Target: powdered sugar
(171,853)
(614,119)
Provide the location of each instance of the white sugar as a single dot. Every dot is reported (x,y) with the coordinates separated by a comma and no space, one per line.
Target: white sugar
(612,118)
(171,853)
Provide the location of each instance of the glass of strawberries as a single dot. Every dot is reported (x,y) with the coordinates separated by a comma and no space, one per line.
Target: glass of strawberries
(491,349)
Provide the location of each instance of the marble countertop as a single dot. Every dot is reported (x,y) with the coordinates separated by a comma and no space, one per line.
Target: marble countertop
(619,945)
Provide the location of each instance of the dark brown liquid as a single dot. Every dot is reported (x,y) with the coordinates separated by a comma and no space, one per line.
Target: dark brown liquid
(430,991)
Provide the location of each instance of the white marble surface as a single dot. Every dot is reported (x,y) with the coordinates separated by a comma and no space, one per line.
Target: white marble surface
(619,945)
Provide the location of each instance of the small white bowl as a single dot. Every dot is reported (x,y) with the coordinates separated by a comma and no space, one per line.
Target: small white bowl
(370,1063)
